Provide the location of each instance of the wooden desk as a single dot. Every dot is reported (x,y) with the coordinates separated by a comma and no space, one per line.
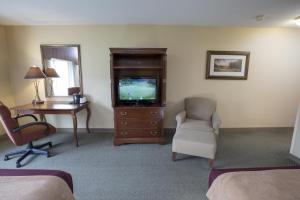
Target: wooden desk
(56,108)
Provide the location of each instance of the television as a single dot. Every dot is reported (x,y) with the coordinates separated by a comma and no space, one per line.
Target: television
(137,90)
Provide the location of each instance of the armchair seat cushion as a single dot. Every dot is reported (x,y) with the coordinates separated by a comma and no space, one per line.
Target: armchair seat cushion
(35,132)
(200,125)
(195,143)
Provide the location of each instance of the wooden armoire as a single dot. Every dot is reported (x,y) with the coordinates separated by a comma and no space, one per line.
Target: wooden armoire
(138,122)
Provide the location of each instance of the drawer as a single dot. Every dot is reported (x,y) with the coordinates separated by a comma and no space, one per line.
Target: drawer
(139,113)
(138,133)
(135,123)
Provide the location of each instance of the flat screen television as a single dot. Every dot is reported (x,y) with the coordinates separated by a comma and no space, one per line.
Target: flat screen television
(137,90)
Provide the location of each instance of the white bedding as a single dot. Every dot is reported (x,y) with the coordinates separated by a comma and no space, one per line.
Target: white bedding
(34,188)
(279,184)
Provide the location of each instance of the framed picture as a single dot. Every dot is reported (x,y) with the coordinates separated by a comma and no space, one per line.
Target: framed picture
(231,65)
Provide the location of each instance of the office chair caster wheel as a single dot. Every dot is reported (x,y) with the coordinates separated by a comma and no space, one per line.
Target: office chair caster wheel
(18,165)
(48,155)
(6,158)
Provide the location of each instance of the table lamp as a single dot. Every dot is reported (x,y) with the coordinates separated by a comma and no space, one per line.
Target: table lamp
(35,73)
(51,73)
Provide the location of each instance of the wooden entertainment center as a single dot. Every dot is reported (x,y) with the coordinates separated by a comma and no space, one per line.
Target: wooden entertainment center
(138,120)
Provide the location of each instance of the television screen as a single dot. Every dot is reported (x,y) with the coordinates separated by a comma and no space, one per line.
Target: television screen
(137,89)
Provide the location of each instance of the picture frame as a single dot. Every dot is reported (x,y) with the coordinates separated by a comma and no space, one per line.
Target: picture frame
(227,65)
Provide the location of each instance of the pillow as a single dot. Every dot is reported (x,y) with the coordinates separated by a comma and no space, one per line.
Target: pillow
(200,108)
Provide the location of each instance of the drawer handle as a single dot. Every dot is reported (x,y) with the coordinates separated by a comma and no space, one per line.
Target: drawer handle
(154,133)
(153,123)
(153,113)
(124,133)
(124,123)
(123,113)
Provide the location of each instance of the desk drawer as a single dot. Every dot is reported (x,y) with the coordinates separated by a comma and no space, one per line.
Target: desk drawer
(139,113)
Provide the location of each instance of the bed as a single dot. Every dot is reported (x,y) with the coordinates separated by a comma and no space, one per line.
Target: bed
(265,183)
(35,184)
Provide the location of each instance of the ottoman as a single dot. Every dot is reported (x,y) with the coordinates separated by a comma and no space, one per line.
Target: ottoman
(195,143)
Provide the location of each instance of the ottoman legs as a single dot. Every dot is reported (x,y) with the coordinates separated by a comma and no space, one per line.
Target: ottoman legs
(174,156)
(211,162)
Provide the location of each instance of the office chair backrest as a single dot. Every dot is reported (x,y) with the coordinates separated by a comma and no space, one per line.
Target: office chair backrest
(9,123)
(73,90)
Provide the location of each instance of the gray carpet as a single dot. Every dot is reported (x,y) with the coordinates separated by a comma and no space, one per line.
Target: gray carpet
(145,171)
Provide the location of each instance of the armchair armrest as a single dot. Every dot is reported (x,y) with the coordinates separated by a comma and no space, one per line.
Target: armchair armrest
(180,118)
(31,124)
(28,115)
(216,122)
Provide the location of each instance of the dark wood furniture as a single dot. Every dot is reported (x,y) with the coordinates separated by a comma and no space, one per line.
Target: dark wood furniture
(138,123)
(53,107)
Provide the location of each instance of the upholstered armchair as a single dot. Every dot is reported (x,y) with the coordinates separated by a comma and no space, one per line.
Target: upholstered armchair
(25,134)
(199,114)
(197,129)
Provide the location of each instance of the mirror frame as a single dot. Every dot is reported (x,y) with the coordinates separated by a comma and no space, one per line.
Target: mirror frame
(42,46)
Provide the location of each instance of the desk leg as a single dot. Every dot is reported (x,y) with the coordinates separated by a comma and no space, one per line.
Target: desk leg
(75,129)
(88,110)
(43,118)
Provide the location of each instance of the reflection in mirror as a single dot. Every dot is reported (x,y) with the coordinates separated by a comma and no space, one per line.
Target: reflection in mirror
(61,64)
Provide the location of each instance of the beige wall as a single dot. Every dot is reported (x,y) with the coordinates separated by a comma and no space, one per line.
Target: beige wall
(268,98)
(5,91)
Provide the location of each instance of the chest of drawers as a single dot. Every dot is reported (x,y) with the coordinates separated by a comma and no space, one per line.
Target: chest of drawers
(139,125)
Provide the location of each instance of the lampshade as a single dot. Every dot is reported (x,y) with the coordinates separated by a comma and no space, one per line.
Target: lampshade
(51,73)
(34,73)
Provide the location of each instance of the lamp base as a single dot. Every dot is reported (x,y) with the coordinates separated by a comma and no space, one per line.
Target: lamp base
(37,102)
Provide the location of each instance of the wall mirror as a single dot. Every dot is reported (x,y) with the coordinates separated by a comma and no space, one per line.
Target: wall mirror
(62,66)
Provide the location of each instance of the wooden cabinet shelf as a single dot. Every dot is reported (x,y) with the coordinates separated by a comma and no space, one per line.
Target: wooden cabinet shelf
(138,124)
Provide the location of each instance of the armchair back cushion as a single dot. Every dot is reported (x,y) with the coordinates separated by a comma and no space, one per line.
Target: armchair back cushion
(200,108)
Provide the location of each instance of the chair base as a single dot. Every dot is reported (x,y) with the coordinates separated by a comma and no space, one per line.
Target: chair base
(30,150)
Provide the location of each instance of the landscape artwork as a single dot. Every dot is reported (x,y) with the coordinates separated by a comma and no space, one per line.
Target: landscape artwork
(229,65)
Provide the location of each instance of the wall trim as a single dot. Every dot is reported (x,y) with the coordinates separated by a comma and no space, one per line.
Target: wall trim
(172,130)
(81,130)
(105,130)
(168,131)
(233,130)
